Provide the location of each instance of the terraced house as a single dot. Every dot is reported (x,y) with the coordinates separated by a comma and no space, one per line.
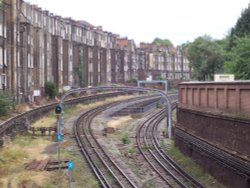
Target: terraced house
(37,46)
(4,16)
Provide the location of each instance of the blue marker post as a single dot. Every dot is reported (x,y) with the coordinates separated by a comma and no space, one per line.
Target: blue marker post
(70,168)
(59,137)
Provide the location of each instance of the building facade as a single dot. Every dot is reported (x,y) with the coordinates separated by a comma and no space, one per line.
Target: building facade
(37,46)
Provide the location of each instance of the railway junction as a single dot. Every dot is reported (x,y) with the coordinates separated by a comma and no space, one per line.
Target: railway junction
(124,137)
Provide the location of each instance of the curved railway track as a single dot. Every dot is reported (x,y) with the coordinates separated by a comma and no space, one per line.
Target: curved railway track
(34,114)
(147,137)
(100,162)
(170,172)
(104,167)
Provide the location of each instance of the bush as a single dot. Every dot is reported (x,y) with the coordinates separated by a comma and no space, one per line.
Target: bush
(5,103)
(50,89)
(125,139)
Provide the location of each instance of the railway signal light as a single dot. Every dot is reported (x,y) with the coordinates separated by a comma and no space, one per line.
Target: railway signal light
(70,165)
(70,168)
(59,137)
(58,109)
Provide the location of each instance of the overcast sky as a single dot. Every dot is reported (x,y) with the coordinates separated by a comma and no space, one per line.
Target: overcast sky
(143,20)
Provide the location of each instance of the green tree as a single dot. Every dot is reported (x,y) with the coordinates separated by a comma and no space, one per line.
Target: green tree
(164,42)
(238,59)
(206,57)
(5,103)
(241,28)
(50,89)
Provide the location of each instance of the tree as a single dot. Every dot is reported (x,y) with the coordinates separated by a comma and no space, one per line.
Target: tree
(241,28)
(206,57)
(50,89)
(164,42)
(238,59)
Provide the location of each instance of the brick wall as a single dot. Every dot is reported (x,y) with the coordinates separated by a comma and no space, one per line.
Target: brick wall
(231,134)
(224,97)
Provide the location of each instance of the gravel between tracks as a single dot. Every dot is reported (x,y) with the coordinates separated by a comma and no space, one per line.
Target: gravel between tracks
(132,164)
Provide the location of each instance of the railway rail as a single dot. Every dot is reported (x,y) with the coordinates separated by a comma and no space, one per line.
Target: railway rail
(217,154)
(168,170)
(162,154)
(34,114)
(104,167)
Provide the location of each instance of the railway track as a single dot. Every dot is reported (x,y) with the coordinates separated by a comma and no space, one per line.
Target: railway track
(34,114)
(146,138)
(170,172)
(104,167)
(217,154)
(100,162)
(162,154)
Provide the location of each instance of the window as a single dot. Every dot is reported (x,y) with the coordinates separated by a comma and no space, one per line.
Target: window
(1,29)
(5,57)
(32,63)
(24,10)
(36,18)
(29,62)
(90,66)
(4,80)
(1,57)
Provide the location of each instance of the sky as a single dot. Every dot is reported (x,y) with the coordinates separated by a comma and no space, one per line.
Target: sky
(143,20)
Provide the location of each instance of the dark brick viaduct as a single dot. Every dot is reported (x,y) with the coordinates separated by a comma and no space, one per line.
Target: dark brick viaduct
(218,113)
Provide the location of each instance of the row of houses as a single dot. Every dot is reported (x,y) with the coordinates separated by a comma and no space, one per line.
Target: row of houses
(37,46)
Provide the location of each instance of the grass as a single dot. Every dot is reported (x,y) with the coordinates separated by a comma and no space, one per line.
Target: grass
(23,149)
(14,156)
(192,168)
(48,121)
(131,150)
(83,177)
(135,168)
(23,140)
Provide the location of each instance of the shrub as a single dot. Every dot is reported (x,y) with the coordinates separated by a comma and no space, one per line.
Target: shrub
(5,103)
(125,138)
(50,89)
